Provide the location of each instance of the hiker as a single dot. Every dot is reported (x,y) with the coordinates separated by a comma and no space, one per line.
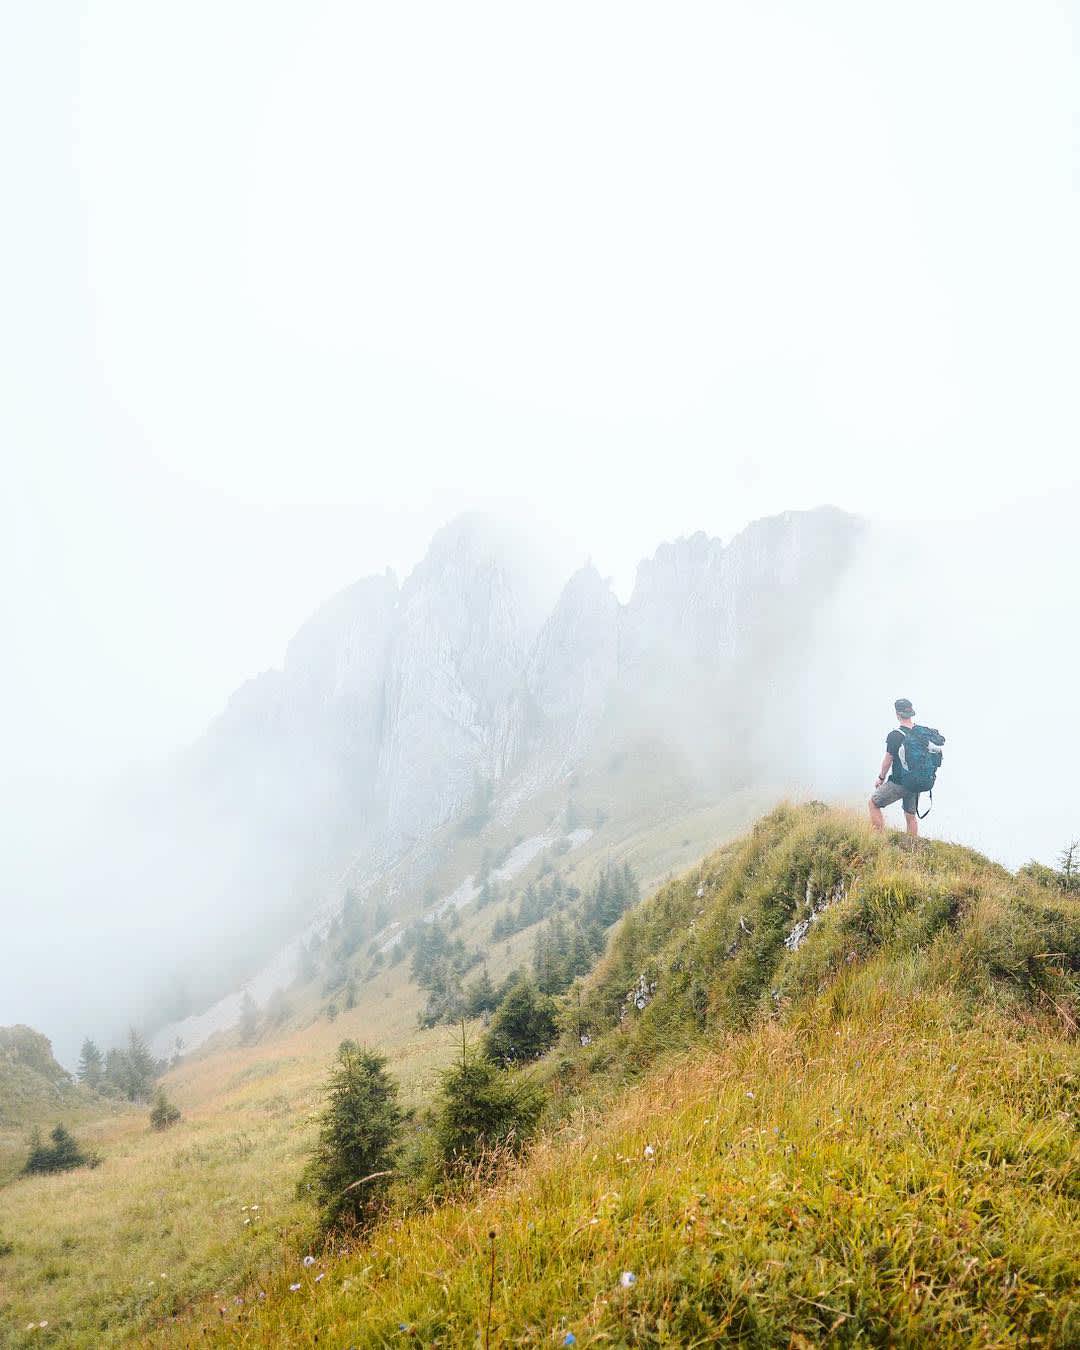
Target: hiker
(912,759)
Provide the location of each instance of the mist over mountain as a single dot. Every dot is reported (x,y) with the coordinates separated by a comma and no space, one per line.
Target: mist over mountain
(397,706)
(768,662)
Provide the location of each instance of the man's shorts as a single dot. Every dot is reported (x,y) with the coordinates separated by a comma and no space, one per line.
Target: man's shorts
(890,792)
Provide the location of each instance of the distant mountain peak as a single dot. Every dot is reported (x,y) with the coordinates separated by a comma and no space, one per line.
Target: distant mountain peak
(395,702)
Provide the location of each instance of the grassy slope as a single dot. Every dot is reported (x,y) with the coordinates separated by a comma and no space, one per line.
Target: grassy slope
(103,1255)
(27,1099)
(871,1138)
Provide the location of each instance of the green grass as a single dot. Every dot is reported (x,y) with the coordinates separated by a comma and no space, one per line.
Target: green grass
(871,1139)
(31,1097)
(103,1255)
(885,1179)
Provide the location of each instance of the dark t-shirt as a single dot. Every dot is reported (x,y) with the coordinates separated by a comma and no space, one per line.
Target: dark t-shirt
(893,741)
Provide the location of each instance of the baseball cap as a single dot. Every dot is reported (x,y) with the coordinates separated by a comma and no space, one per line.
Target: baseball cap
(903,708)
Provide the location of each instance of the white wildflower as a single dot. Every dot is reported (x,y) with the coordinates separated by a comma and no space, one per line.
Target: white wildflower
(309,1260)
(627,1279)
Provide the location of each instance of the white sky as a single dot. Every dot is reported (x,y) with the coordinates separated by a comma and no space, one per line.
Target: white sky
(285,286)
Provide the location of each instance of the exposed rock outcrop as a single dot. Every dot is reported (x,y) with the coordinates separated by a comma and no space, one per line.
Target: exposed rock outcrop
(399,708)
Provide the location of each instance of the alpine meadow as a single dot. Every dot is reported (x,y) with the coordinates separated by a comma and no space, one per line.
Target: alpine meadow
(539,606)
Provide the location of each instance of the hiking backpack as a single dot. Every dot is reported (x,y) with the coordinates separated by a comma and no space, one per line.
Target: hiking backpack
(920,759)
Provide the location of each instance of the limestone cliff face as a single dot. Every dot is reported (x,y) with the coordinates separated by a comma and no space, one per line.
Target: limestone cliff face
(465,624)
(289,768)
(698,602)
(671,617)
(395,704)
(715,635)
(571,674)
(335,666)
(335,675)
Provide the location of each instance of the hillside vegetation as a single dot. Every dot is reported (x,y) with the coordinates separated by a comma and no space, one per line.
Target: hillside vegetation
(821,1089)
(208,1206)
(34,1089)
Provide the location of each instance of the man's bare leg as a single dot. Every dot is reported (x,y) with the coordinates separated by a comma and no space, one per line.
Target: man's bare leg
(876,818)
(912,822)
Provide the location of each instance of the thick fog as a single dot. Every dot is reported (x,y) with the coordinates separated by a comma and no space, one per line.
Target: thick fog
(288,287)
(973,620)
(173,885)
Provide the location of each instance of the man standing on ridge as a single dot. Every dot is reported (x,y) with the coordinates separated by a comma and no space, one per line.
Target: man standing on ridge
(899,786)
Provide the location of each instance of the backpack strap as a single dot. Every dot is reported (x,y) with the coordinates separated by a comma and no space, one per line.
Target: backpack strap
(923,814)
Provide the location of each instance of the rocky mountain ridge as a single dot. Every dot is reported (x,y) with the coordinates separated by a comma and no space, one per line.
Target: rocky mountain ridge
(458,695)
(396,704)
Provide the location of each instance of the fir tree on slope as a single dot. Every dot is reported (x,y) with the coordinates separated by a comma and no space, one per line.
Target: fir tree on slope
(483,1111)
(163,1113)
(481,996)
(91,1065)
(131,1072)
(61,1155)
(142,1068)
(359,1138)
(523,1027)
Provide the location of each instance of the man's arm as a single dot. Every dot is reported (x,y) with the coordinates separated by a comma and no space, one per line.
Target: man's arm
(886,765)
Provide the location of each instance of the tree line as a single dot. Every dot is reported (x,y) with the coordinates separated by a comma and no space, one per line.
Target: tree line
(487,1106)
(565,948)
(128,1071)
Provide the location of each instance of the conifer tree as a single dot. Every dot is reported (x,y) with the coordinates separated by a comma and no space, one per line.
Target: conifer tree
(60,1155)
(481,995)
(65,1151)
(482,1109)
(91,1065)
(523,1026)
(140,1069)
(116,1071)
(359,1138)
(1069,866)
(163,1113)
(37,1157)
